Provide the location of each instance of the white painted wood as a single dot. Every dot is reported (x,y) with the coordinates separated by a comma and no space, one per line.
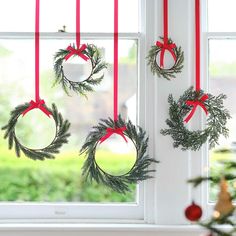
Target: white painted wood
(166,196)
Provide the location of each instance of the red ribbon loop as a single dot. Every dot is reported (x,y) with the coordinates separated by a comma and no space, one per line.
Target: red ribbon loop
(166,46)
(196,103)
(111,131)
(38,104)
(78,52)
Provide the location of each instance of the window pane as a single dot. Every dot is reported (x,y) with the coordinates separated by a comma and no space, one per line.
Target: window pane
(222,75)
(226,11)
(60,180)
(96,16)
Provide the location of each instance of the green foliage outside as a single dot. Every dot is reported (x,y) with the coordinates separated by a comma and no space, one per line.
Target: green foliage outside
(217,160)
(58,180)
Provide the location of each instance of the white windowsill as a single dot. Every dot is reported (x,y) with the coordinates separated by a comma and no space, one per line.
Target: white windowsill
(99,227)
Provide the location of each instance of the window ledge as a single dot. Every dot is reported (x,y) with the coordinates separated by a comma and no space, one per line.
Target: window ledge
(98,227)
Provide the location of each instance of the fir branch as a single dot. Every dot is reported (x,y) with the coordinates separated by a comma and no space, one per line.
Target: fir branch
(139,172)
(167,73)
(60,138)
(215,124)
(82,87)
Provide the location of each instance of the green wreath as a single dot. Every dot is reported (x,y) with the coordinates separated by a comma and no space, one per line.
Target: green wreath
(215,123)
(167,73)
(37,154)
(87,84)
(139,172)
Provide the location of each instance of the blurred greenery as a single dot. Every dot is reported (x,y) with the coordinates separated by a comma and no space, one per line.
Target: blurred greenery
(217,160)
(58,180)
(222,69)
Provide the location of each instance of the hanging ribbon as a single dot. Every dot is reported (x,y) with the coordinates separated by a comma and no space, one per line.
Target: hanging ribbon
(80,48)
(38,103)
(199,102)
(165,45)
(116,130)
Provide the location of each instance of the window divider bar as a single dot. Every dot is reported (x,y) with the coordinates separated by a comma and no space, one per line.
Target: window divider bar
(63,35)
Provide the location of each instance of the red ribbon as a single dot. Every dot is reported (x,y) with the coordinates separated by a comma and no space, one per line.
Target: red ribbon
(195,104)
(78,52)
(39,105)
(111,131)
(166,46)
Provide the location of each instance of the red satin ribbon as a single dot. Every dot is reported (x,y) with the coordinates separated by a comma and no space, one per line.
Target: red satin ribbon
(201,101)
(165,46)
(115,130)
(39,105)
(80,48)
(111,131)
(195,104)
(78,52)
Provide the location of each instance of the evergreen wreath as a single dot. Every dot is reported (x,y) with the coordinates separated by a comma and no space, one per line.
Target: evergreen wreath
(167,73)
(94,55)
(37,154)
(138,172)
(215,123)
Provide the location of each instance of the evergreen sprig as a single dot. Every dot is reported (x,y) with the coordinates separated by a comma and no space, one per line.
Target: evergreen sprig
(214,224)
(167,73)
(215,123)
(87,84)
(48,152)
(138,172)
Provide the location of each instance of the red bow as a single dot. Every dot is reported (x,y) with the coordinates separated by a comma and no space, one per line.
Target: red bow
(196,103)
(111,131)
(39,104)
(166,46)
(78,52)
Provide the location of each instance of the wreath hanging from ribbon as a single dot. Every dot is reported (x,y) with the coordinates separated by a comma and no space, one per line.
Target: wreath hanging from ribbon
(182,111)
(62,126)
(86,52)
(108,127)
(101,132)
(160,48)
(48,152)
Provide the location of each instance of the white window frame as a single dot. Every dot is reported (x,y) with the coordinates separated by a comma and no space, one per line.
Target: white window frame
(89,212)
(164,197)
(206,36)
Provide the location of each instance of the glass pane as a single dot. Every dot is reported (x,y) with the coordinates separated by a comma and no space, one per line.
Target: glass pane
(222,75)
(226,11)
(96,16)
(60,179)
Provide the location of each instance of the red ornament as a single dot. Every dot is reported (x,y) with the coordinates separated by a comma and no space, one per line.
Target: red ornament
(193,212)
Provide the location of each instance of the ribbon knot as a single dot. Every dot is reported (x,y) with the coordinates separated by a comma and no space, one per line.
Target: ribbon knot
(78,51)
(196,103)
(38,104)
(111,131)
(166,46)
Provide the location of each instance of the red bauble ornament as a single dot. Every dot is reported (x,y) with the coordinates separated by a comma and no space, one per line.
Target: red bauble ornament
(193,212)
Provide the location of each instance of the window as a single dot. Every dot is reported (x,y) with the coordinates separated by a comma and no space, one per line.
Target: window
(46,190)
(220,44)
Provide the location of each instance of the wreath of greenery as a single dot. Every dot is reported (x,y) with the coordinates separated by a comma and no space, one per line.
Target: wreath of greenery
(37,154)
(167,73)
(87,84)
(138,172)
(215,123)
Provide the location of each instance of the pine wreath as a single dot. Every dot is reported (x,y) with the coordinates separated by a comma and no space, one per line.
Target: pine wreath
(138,172)
(37,154)
(94,55)
(215,123)
(167,73)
